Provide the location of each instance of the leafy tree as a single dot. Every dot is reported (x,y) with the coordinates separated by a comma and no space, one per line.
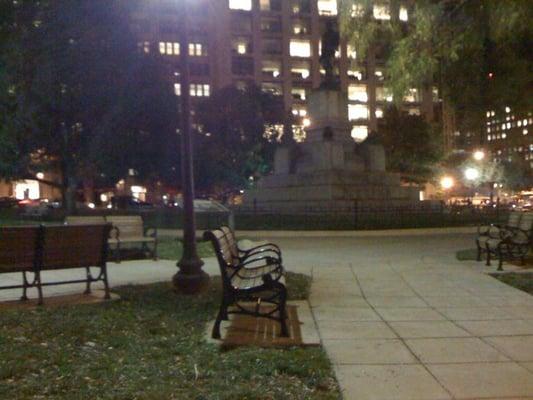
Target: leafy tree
(84,100)
(234,142)
(413,147)
(476,51)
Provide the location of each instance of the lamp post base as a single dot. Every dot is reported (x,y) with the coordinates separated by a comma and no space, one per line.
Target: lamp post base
(193,281)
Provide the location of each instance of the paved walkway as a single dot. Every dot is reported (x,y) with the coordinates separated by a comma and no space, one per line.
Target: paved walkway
(399,317)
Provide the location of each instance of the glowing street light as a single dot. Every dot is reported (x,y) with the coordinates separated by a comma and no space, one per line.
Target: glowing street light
(479,155)
(447,182)
(471,174)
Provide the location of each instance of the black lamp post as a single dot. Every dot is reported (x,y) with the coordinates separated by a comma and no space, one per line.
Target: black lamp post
(190,278)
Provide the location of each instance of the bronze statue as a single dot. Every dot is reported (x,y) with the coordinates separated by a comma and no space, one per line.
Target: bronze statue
(330,44)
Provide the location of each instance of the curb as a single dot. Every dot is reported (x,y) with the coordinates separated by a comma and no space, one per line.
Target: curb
(354,234)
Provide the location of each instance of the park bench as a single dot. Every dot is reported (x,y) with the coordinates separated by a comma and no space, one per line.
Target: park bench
(264,249)
(127,229)
(486,232)
(31,250)
(511,243)
(247,283)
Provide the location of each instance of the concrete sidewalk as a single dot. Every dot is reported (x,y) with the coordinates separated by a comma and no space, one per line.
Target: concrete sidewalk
(399,316)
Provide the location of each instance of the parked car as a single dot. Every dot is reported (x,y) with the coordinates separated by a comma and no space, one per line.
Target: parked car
(8,202)
(130,203)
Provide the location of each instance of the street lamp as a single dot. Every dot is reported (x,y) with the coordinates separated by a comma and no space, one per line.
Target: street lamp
(479,155)
(447,182)
(471,174)
(190,278)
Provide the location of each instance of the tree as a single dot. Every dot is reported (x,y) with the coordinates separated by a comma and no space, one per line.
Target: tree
(413,147)
(237,137)
(476,51)
(79,94)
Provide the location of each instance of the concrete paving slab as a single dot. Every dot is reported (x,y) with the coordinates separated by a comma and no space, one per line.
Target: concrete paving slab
(409,314)
(518,348)
(355,330)
(478,313)
(484,380)
(527,365)
(428,329)
(331,300)
(345,314)
(396,301)
(454,350)
(368,351)
(498,327)
(391,382)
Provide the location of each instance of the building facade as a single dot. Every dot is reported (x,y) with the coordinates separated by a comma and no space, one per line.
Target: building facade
(274,44)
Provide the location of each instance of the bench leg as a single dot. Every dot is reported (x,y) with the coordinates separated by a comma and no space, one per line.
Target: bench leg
(488,256)
(283,312)
(154,252)
(499,254)
(89,279)
(39,287)
(478,258)
(222,315)
(117,253)
(107,295)
(25,285)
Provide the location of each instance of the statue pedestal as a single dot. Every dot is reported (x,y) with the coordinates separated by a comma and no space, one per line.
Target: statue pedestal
(329,170)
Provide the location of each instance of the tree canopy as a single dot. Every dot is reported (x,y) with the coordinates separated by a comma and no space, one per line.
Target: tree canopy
(476,51)
(237,137)
(413,146)
(81,97)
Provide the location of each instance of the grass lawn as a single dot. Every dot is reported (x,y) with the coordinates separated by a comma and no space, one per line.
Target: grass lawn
(171,249)
(149,345)
(522,281)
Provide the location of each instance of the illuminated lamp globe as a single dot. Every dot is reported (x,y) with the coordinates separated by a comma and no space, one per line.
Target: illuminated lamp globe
(479,155)
(447,182)
(471,174)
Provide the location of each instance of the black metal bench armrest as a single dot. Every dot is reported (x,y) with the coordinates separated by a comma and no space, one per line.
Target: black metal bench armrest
(262,252)
(147,231)
(270,246)
(114,232)
(264,260)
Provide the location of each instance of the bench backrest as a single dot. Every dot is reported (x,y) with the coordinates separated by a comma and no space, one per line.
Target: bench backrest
(526,222)
(128,225)
(514,219)
(85,220)
(18,248)
(232,241)
(226,261)
(74,246)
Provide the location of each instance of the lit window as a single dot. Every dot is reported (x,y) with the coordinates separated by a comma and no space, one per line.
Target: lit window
(351,52)
(245,5)
(169,48)
(300,48)
(271,68)
(414,111)
(524,131)
(504,135)
(301,71)
(200,90)
(177,89)
(273,88)
(327,7)
(196,49)
(357,111)
(298,93)
(488,114)
(144,46)
(382,94)
(358,10)
(379,112)
(411,96)
(356,74)
(360,132)
(403,14)
(507,110)
(379,74)
(357,93)
(381,11)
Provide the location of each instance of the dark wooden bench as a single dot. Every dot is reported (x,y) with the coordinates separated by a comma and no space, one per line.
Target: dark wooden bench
(31,250)
(247,282)
(486,232)
(127,229)
(511,243)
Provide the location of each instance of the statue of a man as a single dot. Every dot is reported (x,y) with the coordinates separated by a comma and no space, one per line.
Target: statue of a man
(330,44)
